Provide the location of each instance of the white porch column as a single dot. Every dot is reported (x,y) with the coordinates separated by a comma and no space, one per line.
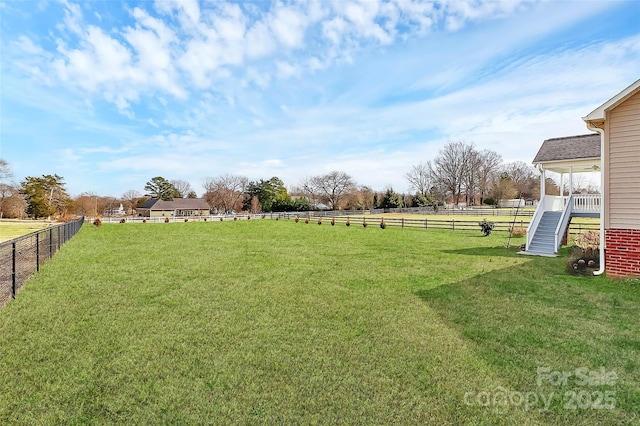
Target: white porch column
(543,178)
(570,180)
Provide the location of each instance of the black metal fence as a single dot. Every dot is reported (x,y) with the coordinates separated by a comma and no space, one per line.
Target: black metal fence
(21,257)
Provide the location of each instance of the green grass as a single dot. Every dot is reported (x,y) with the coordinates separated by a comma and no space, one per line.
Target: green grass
(273,322)
(10,229)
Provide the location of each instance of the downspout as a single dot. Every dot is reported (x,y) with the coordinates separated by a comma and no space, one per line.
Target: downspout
(602,201)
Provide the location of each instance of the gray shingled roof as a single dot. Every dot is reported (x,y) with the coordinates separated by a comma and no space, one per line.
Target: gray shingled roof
(181,203)
(176,203)
(569,148)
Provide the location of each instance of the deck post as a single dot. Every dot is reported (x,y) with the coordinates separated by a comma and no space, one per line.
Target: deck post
(570,180)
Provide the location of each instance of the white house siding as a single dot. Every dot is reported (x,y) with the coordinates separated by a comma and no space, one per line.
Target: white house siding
(624,165)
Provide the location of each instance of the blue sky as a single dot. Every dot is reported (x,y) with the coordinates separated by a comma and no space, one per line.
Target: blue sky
(109,94)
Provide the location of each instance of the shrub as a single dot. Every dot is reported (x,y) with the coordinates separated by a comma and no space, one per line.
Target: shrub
(382,224)
(333,221)
(166,220)
(486,227)
(518,232)
(186,220)
(123,220)
(144,220)
(589,239)
(583,261)
(364,223)
(97,222)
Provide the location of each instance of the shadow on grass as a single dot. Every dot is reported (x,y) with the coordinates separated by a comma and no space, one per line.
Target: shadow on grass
(534,315)
(502,251)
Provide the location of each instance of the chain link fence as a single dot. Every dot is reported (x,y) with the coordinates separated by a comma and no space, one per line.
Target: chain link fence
(21,257)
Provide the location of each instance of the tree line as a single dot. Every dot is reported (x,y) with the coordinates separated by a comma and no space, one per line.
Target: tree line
(459,175)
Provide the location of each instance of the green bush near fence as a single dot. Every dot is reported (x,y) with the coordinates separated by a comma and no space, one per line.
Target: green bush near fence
(277,322)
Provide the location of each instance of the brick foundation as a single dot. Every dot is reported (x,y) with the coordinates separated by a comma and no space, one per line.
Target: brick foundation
(622,252)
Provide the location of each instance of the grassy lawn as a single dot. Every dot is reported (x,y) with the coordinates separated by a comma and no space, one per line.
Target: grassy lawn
(10,229)
(273,322)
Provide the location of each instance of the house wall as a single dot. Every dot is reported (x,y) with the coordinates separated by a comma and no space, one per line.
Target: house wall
(180,213)
(622,254)
(623,151)
(161,213)
(622,188)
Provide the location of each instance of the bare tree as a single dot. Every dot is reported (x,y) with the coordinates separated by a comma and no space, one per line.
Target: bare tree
(225,193)
(5,170)
(130,199)
(12,202)
(471,183)
(503,188)
(332,188)
(488,167)
(524,177)
(450,167)
(182,188)
(420,178)
(361,199)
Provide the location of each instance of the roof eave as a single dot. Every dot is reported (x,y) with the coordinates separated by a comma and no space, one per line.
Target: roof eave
(598,114)
(566,161)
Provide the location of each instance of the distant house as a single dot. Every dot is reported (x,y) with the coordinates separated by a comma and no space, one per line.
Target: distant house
(178,207)
(618,123)
(512,203)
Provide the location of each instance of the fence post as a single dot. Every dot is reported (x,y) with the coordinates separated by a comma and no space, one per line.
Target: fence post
(453,225)
(50,242)
(38,252)
(13,269)
(425,224)
(403,223)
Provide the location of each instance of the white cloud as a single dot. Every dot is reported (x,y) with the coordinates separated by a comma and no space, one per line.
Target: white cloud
(288,25)
(296,89)
(286,70)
